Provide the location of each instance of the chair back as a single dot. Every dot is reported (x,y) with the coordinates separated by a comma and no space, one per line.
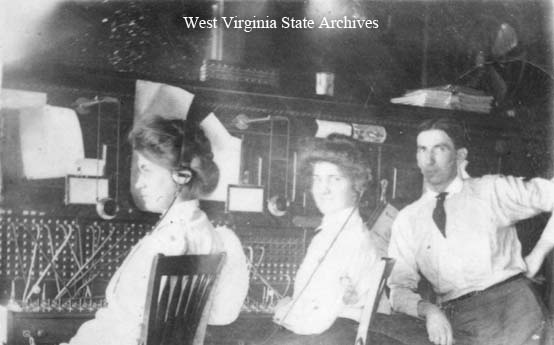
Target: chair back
(178,298)
(372,299)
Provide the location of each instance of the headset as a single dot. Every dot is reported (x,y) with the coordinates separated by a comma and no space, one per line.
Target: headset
(183,174)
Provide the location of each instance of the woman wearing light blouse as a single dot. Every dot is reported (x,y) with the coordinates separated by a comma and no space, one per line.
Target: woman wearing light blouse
(175,166)
(336,273)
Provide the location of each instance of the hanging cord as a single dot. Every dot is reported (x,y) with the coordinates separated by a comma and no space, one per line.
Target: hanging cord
(43,254)
(254,268)
(98,101)
(81,273)
(117,153)
(272,119)
(98,124)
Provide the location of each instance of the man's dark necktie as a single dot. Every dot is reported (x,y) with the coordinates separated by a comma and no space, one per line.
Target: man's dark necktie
(439,215)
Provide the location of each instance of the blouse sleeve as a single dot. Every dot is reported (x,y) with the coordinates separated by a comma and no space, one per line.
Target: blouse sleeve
(233,283)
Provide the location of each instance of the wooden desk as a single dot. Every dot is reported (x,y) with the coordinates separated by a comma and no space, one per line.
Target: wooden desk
(251,329)
(46,328)
(50,328)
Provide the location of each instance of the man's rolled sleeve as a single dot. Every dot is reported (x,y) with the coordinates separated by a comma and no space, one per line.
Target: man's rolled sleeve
(548,232)
(515,198)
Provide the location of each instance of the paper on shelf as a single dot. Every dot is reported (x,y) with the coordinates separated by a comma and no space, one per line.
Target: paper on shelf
(173,102)
(227,154)
(17,99)
(51,141)
(448,97)
(161,99)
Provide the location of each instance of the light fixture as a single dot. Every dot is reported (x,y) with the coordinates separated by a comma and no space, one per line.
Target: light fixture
(82,104)
(242,121)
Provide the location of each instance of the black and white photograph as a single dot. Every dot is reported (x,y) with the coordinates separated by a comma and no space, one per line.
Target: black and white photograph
(276,172)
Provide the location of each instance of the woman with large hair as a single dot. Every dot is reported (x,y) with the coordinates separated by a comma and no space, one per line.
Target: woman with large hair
(336,274)
(174,167)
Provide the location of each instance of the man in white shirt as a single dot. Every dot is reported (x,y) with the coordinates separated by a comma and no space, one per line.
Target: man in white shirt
(461,236)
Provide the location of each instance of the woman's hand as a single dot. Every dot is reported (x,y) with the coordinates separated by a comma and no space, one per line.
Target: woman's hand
(281,309)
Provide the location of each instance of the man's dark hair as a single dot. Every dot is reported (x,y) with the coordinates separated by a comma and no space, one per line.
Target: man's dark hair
(454,129)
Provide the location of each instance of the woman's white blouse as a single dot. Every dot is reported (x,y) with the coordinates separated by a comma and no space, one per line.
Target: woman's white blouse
(184,229)
(334,277)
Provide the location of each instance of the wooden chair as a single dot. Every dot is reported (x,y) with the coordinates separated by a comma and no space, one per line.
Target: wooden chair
(373,298)
(178,299)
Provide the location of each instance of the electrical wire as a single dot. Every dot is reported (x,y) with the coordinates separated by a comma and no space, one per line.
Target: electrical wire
(44,255)
(26,292)
(51,244)
(117,154)
(257,273)
(54,258)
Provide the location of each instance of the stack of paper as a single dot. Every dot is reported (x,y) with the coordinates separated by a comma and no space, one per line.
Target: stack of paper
(448,97)
(479,104)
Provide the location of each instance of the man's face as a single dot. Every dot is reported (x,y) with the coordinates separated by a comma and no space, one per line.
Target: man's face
(436,158)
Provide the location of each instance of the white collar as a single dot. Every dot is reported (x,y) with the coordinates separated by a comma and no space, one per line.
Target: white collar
(334,222)
(181,210)
(453,188)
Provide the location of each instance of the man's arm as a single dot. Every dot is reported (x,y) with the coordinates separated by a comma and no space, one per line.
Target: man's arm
(439,329)
(403,283)
(517,199)
(404,277)
(544,246)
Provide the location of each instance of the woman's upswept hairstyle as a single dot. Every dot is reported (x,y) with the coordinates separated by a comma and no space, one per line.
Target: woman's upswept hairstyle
(341,150)
(177,144)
